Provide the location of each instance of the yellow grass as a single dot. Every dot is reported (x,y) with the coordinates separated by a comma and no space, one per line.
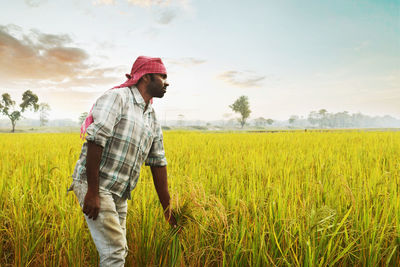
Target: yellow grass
(247,199)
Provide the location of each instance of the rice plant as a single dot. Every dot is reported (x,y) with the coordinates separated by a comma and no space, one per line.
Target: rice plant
(241,199)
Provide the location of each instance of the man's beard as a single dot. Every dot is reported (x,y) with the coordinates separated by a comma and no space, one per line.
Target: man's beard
(155,90)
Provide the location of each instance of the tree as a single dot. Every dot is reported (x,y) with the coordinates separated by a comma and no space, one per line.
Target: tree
(241,105)
(321,118)
(293,118)
(180,119)
(82,117)
(323,113)
(313,117)
(270,121)
(44,109)
(29,101)
(260,121)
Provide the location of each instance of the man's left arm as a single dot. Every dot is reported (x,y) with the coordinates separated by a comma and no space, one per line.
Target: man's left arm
(158,165)
(161,184)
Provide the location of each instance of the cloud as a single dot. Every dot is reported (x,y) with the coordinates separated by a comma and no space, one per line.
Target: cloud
(185,62)
(47,59)
(142,3)
(165,11)
(96,77)
(37,58)
(104,2)
(167,16)
(66,54)
(148,3)
(168,11)
(52,39)
(241,79)
(35,3)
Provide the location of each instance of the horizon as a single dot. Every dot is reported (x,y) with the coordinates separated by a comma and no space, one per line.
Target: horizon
(249,121)
(288,59)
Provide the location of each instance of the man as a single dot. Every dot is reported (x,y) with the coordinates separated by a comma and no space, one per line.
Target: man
(122,133)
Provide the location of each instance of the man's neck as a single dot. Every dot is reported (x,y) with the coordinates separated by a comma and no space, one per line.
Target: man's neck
(145,95)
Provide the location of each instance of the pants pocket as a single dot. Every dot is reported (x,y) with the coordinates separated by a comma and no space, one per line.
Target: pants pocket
(80,190)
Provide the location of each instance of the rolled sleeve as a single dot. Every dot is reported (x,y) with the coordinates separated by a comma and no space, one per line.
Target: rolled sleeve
(106,114)
(156,157)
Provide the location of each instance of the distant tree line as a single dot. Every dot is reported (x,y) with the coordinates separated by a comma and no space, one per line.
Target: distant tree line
(324,119)
(316,119)
(261,121)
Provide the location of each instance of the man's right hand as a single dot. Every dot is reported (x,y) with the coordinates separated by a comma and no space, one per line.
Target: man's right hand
(91,204)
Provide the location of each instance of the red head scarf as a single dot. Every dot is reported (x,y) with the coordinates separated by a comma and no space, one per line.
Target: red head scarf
(143,65)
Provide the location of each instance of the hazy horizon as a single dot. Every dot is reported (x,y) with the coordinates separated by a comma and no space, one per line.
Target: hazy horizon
(332,121)
(35,116)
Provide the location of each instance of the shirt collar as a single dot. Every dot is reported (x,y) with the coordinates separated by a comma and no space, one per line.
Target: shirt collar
(137,97)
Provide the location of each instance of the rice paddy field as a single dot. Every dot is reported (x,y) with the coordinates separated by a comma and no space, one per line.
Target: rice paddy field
(242,199)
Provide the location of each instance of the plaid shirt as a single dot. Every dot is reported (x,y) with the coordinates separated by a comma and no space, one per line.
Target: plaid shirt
(129,136)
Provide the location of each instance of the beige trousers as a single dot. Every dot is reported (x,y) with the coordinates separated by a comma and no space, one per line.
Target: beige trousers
(109,229)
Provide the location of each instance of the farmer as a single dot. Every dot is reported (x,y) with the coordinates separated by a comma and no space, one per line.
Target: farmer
(122,133)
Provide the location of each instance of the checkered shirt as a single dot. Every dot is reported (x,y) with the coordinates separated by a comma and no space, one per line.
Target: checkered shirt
(129,136)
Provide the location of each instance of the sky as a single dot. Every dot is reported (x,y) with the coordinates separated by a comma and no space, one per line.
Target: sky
(288,57)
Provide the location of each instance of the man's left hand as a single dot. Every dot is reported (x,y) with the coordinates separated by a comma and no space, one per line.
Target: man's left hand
(170,218)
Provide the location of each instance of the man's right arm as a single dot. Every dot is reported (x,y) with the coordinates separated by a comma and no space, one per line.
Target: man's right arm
(91,205)
(105,114)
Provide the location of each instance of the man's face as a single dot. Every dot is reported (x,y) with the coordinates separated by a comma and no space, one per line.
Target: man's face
(157,85)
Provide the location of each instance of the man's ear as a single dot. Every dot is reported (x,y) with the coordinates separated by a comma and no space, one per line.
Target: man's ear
(146,78)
